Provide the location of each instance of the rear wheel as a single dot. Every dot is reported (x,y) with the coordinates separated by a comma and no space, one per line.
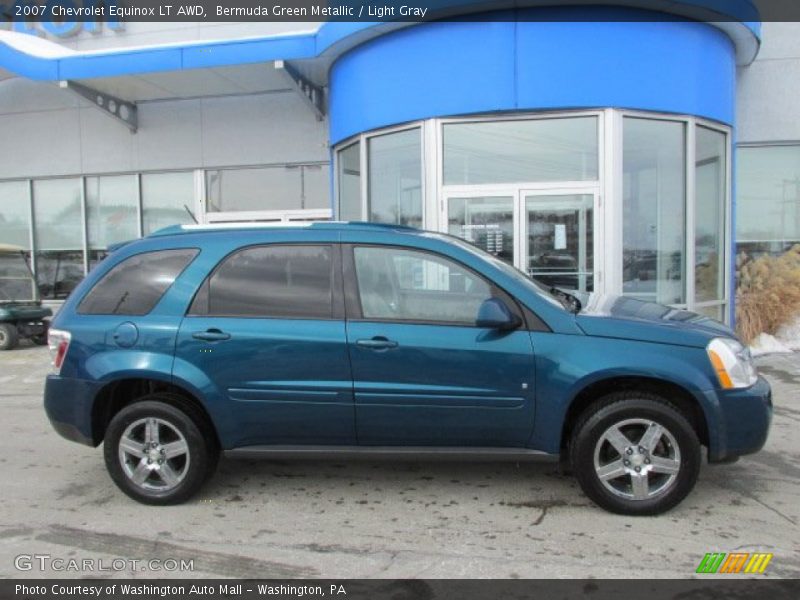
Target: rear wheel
(158,453)
(635,453)
(9,336)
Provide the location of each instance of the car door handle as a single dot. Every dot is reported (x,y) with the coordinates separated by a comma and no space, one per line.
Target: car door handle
(377,343)
(211,335)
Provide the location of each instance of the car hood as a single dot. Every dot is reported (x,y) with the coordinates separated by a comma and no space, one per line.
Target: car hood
(606,315)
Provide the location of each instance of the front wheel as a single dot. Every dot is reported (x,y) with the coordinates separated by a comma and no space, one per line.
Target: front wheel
(156,453)
(635,454)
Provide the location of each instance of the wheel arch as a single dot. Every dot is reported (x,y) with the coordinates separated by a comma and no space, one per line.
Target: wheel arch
(119,393)
(677,394)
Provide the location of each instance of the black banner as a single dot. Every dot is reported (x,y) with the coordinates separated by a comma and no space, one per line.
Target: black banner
(413,589)
(55,11)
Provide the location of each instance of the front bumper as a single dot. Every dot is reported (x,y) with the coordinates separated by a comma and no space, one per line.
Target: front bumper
(68,404)
(743,420)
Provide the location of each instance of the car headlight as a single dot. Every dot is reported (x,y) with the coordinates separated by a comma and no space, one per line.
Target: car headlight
(732,363)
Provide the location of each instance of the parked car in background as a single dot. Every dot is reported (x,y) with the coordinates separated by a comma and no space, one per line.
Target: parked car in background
(330,339)
(21,312)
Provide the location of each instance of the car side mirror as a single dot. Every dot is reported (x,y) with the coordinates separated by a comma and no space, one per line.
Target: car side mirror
(494,314)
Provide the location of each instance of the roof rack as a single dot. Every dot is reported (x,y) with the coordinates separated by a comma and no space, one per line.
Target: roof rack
(200,227)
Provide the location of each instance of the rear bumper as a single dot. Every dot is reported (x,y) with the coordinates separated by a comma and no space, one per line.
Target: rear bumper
(68,404)
(744,419)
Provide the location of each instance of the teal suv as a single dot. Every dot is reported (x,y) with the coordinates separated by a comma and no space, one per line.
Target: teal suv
(351,338)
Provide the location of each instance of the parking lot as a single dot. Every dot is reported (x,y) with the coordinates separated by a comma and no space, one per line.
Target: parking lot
(379,519)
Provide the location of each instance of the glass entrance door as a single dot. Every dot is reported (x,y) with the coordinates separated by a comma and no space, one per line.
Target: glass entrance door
(559,239)
(548,234)
(486,221)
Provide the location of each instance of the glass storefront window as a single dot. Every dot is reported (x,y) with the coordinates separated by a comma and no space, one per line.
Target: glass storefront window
(529,190)
(395,178)
(76,215)
(289,187)
(715,312)
(271,188)
(58,236)
(15,214)
(349,172)
(710,196)
(487,222)
(654,210)
(165,197)
(767,198)
(563,149)
(111,212)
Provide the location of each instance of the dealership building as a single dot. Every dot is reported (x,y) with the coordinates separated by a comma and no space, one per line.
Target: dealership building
(605,149)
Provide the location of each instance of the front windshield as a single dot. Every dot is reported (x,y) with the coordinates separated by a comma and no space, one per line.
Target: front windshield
(542,290)
(16,281)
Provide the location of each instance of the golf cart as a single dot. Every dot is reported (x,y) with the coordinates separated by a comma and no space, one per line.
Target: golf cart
(21,310)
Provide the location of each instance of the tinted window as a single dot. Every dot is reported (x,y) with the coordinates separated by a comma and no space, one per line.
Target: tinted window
(134,286)
(406,285)
(270,281)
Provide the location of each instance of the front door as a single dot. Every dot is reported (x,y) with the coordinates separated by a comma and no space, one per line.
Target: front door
(424,373)
(559,239)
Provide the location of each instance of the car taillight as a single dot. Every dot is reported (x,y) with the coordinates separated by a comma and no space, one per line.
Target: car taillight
(58,341)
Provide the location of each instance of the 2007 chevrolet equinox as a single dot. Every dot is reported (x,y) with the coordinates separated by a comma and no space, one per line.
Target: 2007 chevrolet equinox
(336,338)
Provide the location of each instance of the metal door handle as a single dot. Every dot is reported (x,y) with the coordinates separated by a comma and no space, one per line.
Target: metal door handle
(211,335)
(377,343)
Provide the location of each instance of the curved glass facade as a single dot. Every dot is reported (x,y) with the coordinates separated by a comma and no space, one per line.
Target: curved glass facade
(615,201)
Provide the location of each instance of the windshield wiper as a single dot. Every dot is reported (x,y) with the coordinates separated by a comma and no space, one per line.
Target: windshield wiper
(570,302)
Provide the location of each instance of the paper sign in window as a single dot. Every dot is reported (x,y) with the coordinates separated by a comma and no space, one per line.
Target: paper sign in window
(560,237)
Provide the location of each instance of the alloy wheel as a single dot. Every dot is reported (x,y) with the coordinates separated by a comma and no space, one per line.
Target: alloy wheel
(154,455)
(637,459)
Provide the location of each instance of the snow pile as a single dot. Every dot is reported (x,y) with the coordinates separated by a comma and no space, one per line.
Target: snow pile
(790,334)
(785,341)
(767,344)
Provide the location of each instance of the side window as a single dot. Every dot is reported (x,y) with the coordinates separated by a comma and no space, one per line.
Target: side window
(407,285)
(270,281)
(134,286)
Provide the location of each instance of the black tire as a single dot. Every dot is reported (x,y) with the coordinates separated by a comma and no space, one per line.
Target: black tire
(39,339)
(658,490)
(9,336)
(179,426)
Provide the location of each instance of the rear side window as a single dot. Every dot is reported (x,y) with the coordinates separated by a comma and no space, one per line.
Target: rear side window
(134,286)
(270,281)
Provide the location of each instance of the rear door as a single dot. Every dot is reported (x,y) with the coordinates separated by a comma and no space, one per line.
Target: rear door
(424,373)
(267,328)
